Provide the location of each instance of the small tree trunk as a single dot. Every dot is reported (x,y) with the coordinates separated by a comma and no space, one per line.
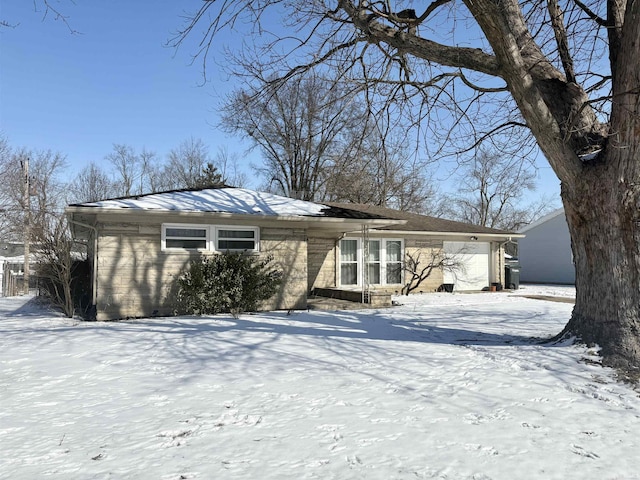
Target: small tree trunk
(603,214)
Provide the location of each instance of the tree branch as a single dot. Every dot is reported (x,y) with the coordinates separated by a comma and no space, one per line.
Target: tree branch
(591,14)
(557,23)
(458,57)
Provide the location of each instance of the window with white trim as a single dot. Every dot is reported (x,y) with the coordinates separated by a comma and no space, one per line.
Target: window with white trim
(349,261)
(185,237)
(217,238)
(374,263)
(384,261)
(393,249)
(244,239)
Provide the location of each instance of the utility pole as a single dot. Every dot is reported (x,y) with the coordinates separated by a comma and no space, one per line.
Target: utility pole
(27,224)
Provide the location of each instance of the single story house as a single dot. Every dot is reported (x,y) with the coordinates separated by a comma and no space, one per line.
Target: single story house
(545,253)
(138,246)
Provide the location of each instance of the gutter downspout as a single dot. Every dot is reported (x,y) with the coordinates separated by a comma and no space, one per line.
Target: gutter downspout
(94,270)
(501,262)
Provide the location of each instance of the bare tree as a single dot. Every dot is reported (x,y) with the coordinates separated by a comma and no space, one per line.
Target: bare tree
(301,130)
(6,203)
(55,262)
(47,9)
(186,163)
(46,189)
(91,184)
(567,71)
(491,191)
(381,173)
(229,166)
(321,145)
(129,170)
(418,269)
(148,160)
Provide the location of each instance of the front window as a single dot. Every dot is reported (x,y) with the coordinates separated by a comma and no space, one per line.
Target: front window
(185,237)
(394,261)
(237,239)
(383,260)
(210,238)
(373,262)
(349,262)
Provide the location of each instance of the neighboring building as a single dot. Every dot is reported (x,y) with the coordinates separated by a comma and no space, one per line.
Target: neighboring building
(545,253)
(138,246)
(11,269)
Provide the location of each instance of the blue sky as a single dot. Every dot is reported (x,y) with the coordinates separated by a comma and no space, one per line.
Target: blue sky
(114,82)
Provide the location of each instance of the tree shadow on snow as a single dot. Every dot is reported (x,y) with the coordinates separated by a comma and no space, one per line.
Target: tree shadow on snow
(272,342)
(368,325)
(24,307)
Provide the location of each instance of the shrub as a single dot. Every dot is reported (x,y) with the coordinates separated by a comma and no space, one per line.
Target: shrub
(227,283)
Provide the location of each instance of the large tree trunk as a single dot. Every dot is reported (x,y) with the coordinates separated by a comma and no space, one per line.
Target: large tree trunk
(602,214)
(602,207)
(601,195)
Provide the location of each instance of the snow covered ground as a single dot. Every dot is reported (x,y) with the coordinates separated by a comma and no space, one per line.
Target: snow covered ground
(448,386)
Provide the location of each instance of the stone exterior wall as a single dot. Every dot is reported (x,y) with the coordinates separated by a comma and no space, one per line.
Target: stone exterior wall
(321,262)
(288,247)
(425,248)
(137,279)
(134,276)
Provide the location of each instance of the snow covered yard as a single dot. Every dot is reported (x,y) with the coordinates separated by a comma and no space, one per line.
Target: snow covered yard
(448,386)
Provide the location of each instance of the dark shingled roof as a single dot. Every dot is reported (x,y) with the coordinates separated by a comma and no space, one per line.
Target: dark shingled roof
(337,210)
(416,222)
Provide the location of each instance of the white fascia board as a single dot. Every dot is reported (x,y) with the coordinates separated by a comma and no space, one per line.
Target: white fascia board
(488,236)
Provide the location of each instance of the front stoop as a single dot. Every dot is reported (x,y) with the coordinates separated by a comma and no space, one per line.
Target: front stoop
(338,299)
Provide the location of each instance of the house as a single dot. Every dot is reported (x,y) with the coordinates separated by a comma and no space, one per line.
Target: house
(138,246)
(545,253)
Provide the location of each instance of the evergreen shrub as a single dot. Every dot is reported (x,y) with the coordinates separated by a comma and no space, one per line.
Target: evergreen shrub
(227,283)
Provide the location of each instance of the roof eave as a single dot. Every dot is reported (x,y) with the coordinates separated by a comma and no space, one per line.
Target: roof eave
(457,234)
(377,222)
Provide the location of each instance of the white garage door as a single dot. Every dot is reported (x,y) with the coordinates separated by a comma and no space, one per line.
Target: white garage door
(474,257)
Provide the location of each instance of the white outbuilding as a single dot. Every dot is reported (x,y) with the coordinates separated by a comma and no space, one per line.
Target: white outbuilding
(545,253)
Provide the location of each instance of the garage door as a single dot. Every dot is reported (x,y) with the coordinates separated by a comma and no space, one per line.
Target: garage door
(474,257)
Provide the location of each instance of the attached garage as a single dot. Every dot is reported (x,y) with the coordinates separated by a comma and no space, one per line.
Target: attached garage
(474,258)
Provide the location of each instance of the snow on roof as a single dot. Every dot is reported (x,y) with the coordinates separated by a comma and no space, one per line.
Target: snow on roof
(219,200)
